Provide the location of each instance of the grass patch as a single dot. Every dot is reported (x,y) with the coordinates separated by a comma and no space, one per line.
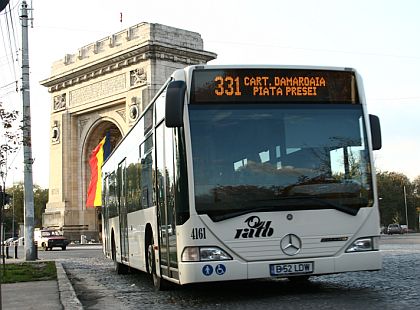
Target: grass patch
(24,272)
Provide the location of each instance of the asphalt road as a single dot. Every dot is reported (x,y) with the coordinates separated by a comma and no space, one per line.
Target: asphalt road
(396,286)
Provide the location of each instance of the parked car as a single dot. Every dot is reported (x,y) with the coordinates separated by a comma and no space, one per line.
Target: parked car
(404,229)
(50,238)
(384,229)
(394,229)
(9,241)
(19,241)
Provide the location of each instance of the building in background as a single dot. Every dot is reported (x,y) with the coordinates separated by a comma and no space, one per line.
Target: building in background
(100,90)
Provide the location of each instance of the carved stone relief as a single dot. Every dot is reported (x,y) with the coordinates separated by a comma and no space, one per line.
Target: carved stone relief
(138,77)
(55,135)
(59,102)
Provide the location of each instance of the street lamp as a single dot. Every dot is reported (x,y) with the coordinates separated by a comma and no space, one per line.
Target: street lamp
(405,203)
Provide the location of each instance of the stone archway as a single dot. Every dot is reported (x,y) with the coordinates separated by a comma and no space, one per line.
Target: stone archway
(95,135)
(104,87)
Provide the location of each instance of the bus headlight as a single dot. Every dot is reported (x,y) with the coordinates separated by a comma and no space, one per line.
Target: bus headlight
(364,244)
(197,254)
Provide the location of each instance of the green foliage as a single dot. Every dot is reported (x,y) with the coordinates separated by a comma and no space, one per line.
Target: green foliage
(24,272)
(11,139)
(391,198)
(16,192)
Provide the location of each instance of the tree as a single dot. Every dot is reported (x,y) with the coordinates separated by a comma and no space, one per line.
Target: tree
(8,144)
(391,198)
(416,198)
(17,205)
(11,138)
(416,186)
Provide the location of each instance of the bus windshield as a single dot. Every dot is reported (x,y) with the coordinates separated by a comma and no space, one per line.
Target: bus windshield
(279,157)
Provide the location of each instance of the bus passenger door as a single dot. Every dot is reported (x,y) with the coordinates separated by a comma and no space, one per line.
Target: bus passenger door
(123,211)
(166,201)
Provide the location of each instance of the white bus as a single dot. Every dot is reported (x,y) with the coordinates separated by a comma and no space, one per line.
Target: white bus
(246,172)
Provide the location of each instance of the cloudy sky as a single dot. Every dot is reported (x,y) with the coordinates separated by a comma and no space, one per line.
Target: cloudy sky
(378,38)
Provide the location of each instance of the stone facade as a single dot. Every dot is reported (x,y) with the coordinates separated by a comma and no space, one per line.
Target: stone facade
(103,88)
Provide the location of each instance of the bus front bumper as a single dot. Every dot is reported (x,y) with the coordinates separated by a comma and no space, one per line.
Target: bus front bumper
(196,272)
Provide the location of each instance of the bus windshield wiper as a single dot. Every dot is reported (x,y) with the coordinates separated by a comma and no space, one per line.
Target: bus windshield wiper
(274,204)
(228,215)
(325,202)
(336,206)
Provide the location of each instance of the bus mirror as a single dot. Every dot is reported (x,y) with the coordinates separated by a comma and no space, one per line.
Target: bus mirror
(375,130)
(174,110)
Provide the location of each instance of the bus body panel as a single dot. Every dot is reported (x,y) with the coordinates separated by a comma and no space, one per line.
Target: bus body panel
(309,226)
(137,222)
(252,257)
(114,228)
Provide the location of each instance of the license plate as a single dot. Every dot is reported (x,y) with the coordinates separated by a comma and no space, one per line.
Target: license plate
(291,268)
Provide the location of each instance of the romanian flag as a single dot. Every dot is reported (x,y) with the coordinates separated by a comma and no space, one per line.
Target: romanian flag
(96,160)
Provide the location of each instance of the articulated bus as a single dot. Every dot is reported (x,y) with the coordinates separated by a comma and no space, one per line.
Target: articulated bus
(246,172)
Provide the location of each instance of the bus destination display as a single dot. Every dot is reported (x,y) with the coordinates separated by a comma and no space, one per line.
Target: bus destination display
(273,85)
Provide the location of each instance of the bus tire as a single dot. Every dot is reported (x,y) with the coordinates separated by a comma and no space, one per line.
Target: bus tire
(118,267)
(158,283)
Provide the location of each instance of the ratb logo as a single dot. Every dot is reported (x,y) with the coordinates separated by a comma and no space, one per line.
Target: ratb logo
(256,228)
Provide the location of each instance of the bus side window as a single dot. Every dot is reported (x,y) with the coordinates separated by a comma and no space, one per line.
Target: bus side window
(148,119)
(144,198)
(146,173)
(112,195)
(160,106)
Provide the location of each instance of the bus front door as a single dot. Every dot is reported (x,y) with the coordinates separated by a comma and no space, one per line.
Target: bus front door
(123,211)
(166,201)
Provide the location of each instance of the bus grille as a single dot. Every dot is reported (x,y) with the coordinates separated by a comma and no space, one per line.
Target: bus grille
(270,249)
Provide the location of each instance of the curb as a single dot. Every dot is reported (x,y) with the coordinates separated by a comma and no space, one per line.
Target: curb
(66,291)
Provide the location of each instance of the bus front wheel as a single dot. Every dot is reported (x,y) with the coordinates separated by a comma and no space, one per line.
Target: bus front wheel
(159,283)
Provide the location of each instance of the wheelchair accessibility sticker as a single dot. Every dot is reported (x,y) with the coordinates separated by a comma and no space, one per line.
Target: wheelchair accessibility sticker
(220,269)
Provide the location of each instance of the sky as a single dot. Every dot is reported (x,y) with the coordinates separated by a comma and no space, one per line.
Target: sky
(379,38)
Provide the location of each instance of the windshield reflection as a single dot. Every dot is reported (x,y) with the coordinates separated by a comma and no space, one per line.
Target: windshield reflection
(277,157)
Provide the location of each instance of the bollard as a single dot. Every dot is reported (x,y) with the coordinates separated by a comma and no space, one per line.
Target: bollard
(35,249)
(16,248)
(7,251)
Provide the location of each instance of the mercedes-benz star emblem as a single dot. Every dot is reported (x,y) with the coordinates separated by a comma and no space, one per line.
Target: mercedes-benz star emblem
(290,244)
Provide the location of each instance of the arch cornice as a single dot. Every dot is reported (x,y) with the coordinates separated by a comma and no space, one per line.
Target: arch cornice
(131,56)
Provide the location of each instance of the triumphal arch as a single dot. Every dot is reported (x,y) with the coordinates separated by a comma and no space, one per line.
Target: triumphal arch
(102,89)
